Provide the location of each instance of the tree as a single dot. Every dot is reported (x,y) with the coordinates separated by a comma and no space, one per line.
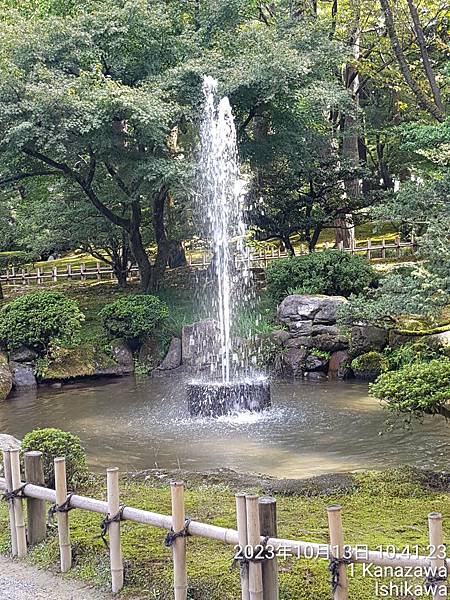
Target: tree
(81,100)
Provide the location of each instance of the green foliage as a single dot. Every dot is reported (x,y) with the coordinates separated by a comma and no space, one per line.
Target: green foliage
(423,350)
(331,272)
(323,354)
(38,320)
(54,443)
(420,388)
(370,364)
(134,317)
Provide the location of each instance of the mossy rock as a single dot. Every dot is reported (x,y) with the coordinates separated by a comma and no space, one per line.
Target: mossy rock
(369,366)
(5,378)
(72,363)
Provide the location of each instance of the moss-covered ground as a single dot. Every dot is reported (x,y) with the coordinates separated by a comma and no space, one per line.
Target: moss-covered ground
(379,509)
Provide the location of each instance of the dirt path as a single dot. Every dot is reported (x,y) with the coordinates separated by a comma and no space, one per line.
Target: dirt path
(19,581)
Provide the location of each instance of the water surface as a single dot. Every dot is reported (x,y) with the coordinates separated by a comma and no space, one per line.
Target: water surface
(312,428)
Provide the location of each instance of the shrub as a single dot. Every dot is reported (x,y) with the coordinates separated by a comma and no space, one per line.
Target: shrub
(416,389)
(134,317)
(422,350)
(332,272)
(54,443)
(370,365)
(39,319)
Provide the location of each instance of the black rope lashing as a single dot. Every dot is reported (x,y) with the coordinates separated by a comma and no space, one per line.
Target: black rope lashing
(9,496)
(174,535)
(432,581)
(106,522)
(60,508)
(333,567)
(260,555)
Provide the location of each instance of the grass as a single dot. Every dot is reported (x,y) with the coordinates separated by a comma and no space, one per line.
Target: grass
(380,509)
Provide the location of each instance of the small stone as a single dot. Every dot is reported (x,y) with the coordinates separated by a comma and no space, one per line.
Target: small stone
(315,375)
(123,356)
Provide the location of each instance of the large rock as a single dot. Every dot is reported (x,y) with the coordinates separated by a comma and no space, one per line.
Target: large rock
(172,360)
(299,341)
(293,361)
(329,342)
(24,355)
(6,379)
(123,356)
(339,365)
(22,375)
(199,343)
(320,309)
(315,363)
(365,338)
(280,336)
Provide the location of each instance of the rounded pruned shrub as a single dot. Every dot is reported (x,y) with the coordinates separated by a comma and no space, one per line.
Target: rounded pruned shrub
(332,272)
(54,443)
(416,389)
(134,317)
(39,319)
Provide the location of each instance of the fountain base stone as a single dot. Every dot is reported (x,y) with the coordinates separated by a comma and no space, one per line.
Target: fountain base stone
(213,399)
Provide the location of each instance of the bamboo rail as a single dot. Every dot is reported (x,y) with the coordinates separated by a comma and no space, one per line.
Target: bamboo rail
(248,534)
(256,260)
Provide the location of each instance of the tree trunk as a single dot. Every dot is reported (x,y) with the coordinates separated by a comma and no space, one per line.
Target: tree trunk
(177,256)
(344,230)
(162,255)
(288,245)
(141,258)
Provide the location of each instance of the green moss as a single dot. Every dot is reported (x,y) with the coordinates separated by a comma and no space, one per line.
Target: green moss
(370,363)
(68,363)
(384,508)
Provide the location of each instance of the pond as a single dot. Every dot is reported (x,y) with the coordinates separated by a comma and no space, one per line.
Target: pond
(312,428)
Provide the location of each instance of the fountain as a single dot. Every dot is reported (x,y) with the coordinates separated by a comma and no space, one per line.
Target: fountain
(231,385)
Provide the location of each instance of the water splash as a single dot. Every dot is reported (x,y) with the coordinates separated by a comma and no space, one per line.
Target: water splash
(221,198)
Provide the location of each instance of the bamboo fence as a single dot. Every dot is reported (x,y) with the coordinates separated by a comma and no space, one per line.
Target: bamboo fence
(253,540)
(256,260)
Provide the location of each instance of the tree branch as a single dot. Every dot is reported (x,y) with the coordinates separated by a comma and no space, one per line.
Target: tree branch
(423,101)
(21,176)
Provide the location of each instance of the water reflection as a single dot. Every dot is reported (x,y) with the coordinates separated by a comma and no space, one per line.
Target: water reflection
(312,428)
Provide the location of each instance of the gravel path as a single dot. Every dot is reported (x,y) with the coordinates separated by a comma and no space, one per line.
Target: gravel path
(19,581)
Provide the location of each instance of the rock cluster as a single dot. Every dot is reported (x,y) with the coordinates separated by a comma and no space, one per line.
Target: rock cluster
(311,342)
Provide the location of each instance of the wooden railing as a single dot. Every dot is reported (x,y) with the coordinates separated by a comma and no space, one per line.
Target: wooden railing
(256,260)
(255,543)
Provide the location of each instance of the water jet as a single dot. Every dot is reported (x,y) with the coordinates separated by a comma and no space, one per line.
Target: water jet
(233,385)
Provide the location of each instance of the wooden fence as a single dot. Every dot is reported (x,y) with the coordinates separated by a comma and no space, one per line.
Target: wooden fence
(256,260)
(255,541)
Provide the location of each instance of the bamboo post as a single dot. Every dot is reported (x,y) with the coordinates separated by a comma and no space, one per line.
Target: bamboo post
(13,273)
(397,246)
(253,536)
(241,519)
(115,550)
(55,274)
(9,488)
(337,549)
(38,275)
(36,517)
(439,591)
(82,271)
(383,248)
(69,271)
(179,545)
(62,517)
(268,525)
(21,535)
(369,249)
(98,272)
